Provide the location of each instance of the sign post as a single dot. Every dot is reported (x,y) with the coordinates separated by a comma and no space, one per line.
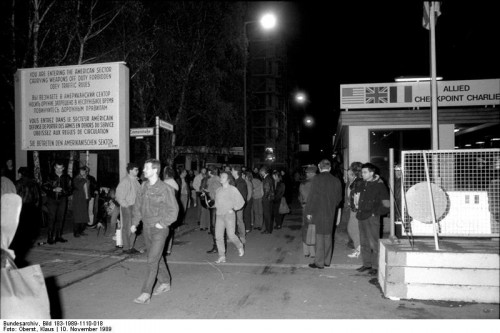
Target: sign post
(165,125)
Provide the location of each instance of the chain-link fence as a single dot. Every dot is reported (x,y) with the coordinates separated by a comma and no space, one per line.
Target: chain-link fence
(465,190)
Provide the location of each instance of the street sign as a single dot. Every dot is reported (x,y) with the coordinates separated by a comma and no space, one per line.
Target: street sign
(146,131)
(167,126)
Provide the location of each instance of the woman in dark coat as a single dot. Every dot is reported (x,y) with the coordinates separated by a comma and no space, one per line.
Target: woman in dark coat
(279,192)
(81,197)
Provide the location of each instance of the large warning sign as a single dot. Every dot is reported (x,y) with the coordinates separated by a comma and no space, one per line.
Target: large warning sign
(70,107)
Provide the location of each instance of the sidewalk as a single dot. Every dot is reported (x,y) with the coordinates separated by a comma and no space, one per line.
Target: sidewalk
(79,258)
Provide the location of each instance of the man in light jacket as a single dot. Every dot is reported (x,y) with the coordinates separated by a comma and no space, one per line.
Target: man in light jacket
(126,194)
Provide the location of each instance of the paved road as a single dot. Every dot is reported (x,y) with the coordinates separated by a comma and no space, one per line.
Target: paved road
(90,279)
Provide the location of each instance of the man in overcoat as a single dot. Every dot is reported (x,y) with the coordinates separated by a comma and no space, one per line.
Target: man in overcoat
(320,209)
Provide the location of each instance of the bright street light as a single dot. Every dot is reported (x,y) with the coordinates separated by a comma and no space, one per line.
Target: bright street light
(309,121)
(268,21)
(300,97)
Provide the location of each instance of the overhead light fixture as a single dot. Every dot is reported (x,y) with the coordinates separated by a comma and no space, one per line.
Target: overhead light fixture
(415,78)
(468,145)
(456,130)
(495,139)
(479,142)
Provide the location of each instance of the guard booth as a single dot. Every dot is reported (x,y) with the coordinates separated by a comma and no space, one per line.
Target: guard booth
(376,117)
(463,184)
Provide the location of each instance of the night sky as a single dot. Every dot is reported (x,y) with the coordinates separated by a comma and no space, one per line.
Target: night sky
(333,43)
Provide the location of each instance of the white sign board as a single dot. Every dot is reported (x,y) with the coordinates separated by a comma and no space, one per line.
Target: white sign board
(146,131)
(167,126)
(417,94)
(69,107)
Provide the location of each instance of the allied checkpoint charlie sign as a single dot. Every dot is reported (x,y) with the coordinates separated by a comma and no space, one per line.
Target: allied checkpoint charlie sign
(417,94)
(82,107)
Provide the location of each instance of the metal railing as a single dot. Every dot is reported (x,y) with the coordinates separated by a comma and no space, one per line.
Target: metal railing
(465,189)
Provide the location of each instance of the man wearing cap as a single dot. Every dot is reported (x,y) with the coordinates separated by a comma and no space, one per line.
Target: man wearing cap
(304,189)
(320,209)
(126,194)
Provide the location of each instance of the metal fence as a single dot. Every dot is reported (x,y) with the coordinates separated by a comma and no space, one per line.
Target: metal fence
(464,186)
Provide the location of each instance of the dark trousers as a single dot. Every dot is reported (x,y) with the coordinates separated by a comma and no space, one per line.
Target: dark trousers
(212,225)
(78,228)
(126,220)
(198,207)
(324,250)
(247,214)
(267,213)
(277,217)
(157,267)
(369,235)
(57,214)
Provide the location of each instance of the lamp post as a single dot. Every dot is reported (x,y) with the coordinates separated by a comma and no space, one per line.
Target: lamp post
(267,21)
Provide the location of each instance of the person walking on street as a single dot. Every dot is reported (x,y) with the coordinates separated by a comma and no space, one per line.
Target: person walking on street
(371,200)
(213,183)
(304,189)
(320,209)
(169,179)
(247,211)
(241,185)
(257,194)
(80,205)
(354,178)
(197,188)
(126,196)
(93,198)
(279,192)
(157,208)
(184,193)
(228,200)
(267,199)
(58,188)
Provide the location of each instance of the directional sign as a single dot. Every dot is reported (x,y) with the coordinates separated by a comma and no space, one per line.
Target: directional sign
(146,131)
(167,126)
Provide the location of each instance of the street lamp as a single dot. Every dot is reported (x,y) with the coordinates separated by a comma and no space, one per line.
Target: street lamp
(268,21)
(308,121)
(300,97)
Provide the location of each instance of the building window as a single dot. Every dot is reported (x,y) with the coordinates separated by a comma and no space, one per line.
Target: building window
(407,139)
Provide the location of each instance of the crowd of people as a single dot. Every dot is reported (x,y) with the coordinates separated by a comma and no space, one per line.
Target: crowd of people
(228,202)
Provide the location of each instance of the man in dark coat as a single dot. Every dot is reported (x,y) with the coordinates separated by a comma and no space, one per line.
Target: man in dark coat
(320,209)
(58,188)
(267,199)
(371,200)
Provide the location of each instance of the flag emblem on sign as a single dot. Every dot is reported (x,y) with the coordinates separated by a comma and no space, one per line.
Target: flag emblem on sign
(376,94)
(353,95)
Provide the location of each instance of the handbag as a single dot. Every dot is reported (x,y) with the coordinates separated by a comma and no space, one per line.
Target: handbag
(284,209)
(24,294)
(311,234)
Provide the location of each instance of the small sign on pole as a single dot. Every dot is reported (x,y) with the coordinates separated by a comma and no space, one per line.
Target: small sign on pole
(166,125)
(140,132)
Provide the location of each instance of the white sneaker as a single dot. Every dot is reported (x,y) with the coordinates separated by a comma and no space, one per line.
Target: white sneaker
(241,252)
(144,298)
(355,253)
(221,260)
(162,288)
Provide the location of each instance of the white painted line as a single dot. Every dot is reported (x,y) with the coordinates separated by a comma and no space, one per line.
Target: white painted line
(200,263)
